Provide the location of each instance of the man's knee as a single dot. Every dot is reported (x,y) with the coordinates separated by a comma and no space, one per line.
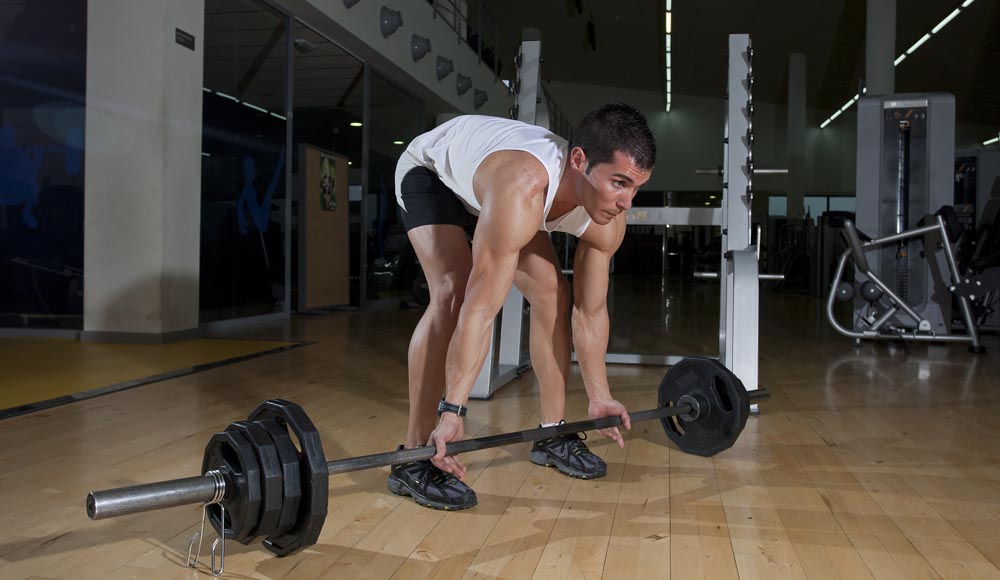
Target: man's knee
(552,297)
(448,292)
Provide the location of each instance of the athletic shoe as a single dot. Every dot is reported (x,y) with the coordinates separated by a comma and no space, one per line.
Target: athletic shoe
(429,486)
(569,455)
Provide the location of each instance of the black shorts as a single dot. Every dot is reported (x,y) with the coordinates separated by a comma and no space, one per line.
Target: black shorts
(429,201)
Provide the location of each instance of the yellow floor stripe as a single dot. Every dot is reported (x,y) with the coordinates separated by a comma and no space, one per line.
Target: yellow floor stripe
(39,369)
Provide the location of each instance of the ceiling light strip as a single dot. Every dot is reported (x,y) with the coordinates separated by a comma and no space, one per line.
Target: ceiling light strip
(667,30)
(937,28)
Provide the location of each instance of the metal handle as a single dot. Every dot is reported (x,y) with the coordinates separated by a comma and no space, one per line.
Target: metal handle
(715,276)
(854,242)
(756,170)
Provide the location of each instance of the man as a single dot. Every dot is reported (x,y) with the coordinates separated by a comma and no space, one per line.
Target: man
(513,183)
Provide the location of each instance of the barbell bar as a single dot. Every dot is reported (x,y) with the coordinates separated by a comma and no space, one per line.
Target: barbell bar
(207,488)
(257,484)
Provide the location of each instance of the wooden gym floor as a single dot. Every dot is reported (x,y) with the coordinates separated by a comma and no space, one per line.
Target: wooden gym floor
(868,463)
(45,372)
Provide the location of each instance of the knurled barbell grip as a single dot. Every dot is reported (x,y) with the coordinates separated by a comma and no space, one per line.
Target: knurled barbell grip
(489,441)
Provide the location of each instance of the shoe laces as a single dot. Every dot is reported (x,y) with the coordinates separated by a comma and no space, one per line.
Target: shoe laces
(575,443)
(577,446)
(437,475)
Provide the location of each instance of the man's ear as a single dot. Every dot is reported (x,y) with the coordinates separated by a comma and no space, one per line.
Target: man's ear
(578,159)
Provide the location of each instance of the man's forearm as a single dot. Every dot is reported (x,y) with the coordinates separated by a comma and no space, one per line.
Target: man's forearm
(590,340)
(466,353)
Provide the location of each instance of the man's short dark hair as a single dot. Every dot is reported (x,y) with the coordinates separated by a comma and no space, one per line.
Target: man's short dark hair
(615,127)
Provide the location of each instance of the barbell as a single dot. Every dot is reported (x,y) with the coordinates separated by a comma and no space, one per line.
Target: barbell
(268,476)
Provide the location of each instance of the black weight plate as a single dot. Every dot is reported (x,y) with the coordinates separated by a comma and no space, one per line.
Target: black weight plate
(234,456)
(288,457)
(313,472)
(272,490)
(728,407)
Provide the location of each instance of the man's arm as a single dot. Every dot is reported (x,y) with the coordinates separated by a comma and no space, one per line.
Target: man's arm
(511,187)
(591,324)
(512,192)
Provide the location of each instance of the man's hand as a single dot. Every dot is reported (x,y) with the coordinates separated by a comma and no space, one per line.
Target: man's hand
(610,408)
(450,428)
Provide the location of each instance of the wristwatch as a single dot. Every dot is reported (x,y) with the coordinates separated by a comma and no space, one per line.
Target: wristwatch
(446,407)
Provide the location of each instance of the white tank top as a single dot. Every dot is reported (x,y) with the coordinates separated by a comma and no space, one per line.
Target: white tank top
(455,149)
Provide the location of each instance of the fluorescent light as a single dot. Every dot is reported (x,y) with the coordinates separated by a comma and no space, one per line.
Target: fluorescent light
(917,44)
(992,141)
(397,142)
(832,117)
(668,20)
(946,20)
(282,117)
(225,96)
(355,124)
(899,59)
(206,89)
(255,107)
(203,154)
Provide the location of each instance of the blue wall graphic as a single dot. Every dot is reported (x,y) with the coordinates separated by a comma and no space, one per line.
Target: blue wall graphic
(248,202)
(20,166)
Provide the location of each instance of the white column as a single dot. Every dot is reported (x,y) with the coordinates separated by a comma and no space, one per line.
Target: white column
(880,47)
(796,140)
(142,209)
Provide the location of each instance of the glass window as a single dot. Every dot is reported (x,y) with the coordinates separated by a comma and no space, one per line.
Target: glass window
(243,161)
(777,205)
(328,89)
(396,118)
(814,206)
(43,50)
(842,204)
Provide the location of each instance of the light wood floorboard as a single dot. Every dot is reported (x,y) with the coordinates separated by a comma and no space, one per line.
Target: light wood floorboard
(868,463)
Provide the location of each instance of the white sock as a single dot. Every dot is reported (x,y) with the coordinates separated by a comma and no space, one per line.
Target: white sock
(544,425)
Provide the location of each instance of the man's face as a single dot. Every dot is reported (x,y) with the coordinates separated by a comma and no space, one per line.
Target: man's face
(607,189)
